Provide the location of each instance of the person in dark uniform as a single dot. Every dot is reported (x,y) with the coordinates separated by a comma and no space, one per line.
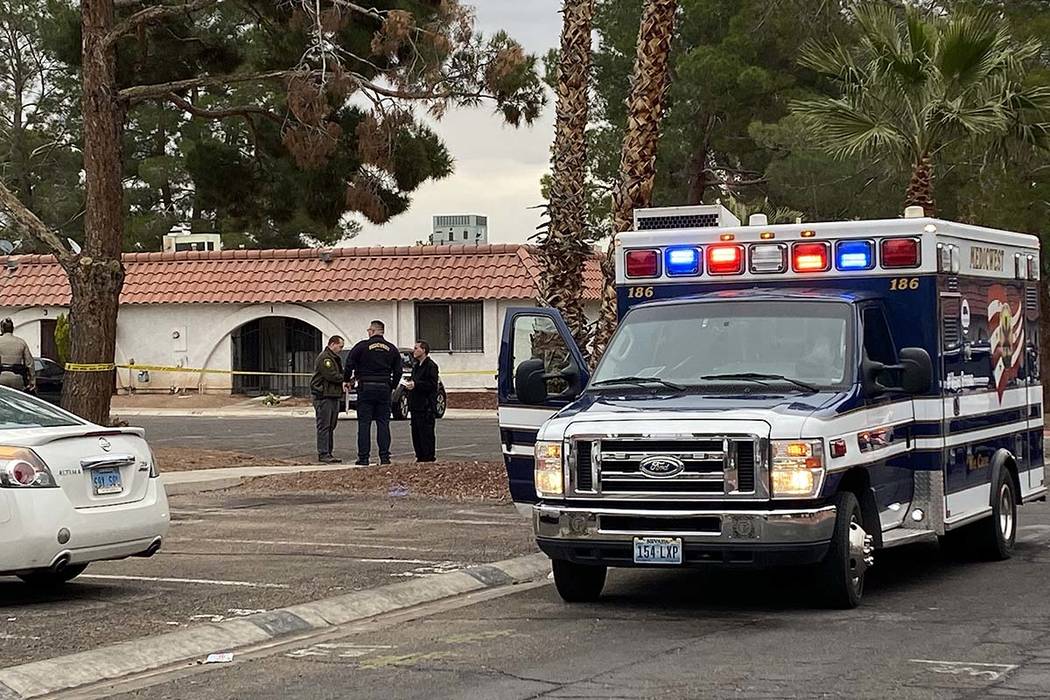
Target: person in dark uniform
(327,389)
(422,402)
(375,365)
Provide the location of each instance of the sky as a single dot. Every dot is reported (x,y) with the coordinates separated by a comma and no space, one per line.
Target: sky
(498,168)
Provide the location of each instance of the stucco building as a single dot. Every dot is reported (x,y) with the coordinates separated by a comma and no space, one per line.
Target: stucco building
(270,311)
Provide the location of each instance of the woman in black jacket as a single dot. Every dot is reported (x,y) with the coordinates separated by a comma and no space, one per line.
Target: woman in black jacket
(422,402)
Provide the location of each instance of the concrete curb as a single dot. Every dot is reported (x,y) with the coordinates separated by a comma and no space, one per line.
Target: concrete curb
(116,661)
(198,480)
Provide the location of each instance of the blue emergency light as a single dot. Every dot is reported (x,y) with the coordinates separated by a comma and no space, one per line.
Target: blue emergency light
(682,262)
(855,255)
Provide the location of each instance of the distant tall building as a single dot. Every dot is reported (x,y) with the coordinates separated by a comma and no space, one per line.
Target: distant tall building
(464,229)
(180,238)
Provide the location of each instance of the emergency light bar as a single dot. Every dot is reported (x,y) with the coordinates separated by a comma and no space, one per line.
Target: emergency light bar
(900,253)
(807,256)
(725,259)
(810,257)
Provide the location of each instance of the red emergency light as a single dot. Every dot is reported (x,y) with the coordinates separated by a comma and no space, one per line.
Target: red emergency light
(725,259)
(643,263)
(811,257)
(900,252)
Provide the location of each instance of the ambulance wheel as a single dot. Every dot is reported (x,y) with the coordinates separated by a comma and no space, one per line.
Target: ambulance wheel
(844,567)
(578,583)
(995,536)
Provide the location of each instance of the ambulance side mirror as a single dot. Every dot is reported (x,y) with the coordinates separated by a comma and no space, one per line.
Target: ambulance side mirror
(911,375)
(530,382)
(916,370)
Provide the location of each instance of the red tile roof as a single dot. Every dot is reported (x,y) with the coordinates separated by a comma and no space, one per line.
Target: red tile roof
(447,273)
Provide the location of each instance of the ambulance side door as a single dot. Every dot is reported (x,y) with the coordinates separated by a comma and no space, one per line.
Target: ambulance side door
(535,343)
(891,417)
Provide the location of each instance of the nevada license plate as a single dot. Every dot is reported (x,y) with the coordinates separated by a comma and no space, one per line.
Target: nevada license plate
(106,481)
(657,550)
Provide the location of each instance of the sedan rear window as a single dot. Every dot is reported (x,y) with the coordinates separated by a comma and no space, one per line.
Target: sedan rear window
(18,410)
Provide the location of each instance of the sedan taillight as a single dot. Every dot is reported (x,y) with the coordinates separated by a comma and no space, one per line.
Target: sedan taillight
(21,468)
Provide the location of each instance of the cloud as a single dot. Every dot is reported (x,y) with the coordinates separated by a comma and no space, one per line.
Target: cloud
(498,168)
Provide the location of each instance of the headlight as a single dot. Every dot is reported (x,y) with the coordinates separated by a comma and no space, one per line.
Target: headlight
(797,470)
(21,468)
(550,474)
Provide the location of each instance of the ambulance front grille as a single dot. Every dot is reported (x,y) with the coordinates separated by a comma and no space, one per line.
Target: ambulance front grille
(716,466)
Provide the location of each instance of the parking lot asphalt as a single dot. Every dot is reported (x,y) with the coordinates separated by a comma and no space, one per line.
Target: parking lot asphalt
(293,438)
(230,554)
(929,627)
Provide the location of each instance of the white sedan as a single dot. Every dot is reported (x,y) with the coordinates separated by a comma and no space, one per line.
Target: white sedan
(72,492)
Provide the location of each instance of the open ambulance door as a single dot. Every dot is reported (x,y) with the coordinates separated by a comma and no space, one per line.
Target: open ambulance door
(541,370)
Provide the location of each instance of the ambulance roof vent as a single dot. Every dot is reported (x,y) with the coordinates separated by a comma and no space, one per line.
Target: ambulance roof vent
(702,216)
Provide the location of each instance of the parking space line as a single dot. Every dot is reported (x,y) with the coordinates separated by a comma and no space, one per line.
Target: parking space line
(203,581)
(289,543)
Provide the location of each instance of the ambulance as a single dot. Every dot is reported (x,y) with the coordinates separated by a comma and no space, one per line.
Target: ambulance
(802,395)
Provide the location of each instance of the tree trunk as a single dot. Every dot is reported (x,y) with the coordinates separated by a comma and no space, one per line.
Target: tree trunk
(97,276)
(564,253)
(698,179)
(920,189)
(645,111)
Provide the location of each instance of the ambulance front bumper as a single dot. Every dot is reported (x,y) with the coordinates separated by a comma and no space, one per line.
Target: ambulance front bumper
(732,537)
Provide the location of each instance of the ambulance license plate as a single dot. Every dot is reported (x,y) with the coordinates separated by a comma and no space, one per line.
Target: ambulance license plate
(658,550)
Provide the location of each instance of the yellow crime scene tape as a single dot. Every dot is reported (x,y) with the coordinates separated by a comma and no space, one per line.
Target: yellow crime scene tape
(109,367)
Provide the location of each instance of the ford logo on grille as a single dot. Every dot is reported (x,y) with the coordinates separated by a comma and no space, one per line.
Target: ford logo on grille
(661,467)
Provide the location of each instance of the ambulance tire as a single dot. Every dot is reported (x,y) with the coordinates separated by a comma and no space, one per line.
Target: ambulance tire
(578,583)
(844,567)
(995,536)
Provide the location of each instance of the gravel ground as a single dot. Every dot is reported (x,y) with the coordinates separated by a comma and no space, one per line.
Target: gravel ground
(456,480)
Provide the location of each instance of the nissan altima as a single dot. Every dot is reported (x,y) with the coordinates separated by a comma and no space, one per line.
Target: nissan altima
(72,493)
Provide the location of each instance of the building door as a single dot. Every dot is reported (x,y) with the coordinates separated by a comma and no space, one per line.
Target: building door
(48,346)
(277,354)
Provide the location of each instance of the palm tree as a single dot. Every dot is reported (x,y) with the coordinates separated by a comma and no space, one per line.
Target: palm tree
(645,112)
(916,84)
(566,245)
(774,214)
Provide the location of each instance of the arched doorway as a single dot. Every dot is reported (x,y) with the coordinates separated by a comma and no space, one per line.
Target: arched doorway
(277,347)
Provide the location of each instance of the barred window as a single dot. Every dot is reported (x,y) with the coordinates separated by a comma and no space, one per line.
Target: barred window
(451,327)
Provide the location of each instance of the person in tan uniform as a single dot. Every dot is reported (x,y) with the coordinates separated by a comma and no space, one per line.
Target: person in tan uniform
(16,360)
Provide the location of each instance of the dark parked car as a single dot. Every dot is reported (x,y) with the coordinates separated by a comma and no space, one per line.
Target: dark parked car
(399,398)
(49,377)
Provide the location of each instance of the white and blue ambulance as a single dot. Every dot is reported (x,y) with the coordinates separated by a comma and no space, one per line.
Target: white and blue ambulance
(799,394)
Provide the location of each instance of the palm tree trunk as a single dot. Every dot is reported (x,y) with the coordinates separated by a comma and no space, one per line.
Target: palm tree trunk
(567,247)
(920,189)
(645,111)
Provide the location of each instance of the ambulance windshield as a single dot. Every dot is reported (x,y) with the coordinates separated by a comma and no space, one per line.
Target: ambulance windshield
(719,346)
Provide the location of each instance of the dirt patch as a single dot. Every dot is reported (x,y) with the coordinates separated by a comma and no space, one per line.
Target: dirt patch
(451,480)
(477,400)
(180,459)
